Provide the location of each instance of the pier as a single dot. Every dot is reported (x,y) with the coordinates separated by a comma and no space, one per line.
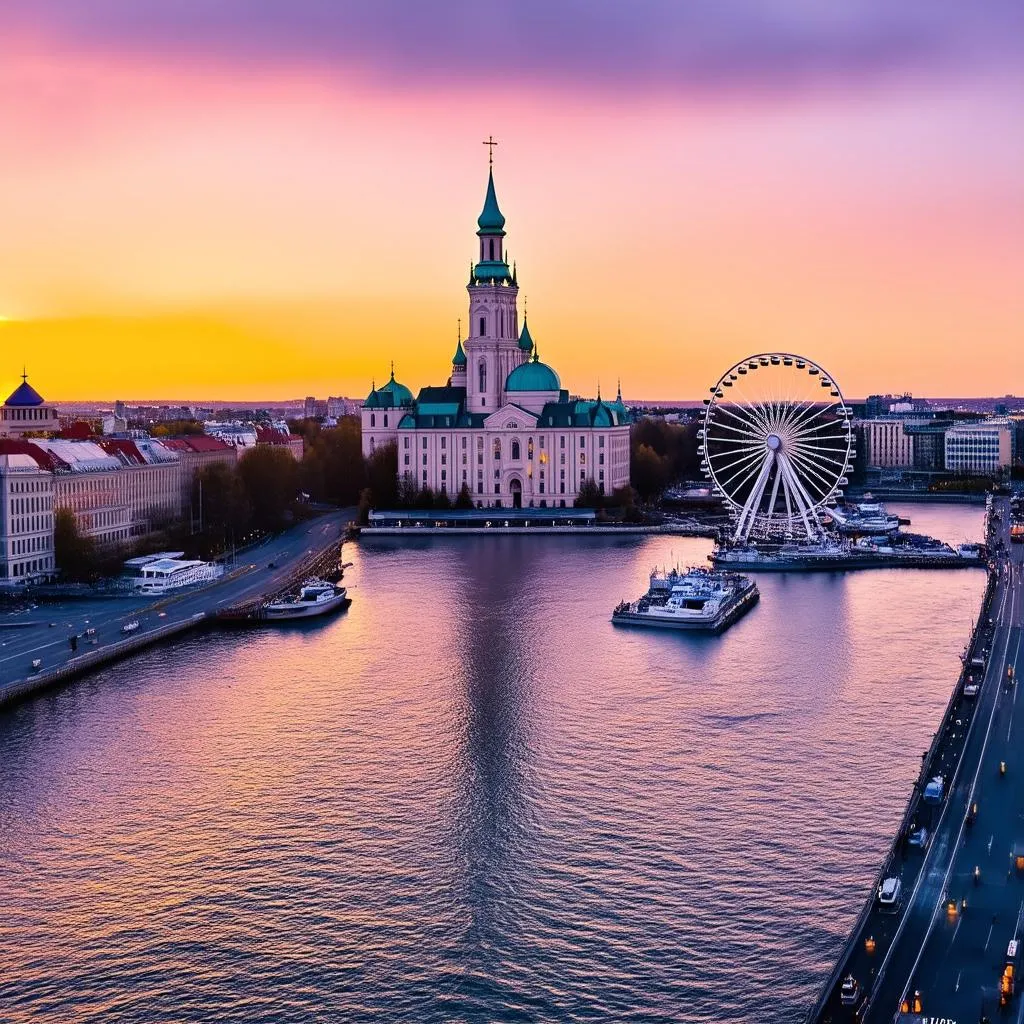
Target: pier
(939,953)
(45,635)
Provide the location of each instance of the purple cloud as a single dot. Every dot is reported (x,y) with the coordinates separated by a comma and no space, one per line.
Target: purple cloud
(641,43)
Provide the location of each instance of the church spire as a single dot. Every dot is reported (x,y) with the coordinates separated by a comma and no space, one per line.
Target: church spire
(491,220)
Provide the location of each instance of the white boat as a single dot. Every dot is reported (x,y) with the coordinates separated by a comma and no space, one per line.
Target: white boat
(130,627)
(162,574)
(864,517)
(315,597)
(698,599)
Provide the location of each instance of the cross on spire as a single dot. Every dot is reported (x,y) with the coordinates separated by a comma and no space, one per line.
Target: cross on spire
(490,143)
(460,329)
(24,374)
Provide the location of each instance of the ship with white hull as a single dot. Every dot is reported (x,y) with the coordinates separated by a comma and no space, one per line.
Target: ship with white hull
(315,597)
(841,556)
(699,599)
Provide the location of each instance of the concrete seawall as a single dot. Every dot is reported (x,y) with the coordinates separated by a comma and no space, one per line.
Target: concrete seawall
(18,689)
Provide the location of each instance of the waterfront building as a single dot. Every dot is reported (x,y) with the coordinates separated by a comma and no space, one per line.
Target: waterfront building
(26,520)
(25,412)
(117,489)
(502,425)
(983,447)
(886,443)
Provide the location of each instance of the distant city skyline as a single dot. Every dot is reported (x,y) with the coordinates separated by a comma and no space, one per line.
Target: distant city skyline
(265,202)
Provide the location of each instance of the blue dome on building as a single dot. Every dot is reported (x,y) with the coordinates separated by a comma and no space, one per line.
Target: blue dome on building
(24,394)
(533,376)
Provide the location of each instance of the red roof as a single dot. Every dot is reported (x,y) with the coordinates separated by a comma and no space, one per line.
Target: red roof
(15,446)
(77,431)
(267,435)
(195,443)
(124,447)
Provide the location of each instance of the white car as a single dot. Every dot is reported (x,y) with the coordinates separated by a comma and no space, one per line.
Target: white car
(889,893)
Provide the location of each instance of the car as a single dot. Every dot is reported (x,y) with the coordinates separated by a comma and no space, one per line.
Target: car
(849,991)
(919,838)
(889,893)
(971,688)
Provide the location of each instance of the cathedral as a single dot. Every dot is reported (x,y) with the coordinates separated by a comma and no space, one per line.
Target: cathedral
(503,426)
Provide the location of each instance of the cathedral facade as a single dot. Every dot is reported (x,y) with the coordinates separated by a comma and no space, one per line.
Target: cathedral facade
(503,426)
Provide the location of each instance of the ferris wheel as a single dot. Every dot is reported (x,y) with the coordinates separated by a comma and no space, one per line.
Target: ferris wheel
(777,443)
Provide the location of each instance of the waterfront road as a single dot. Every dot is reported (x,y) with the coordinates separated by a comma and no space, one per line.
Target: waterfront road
(259,572)
(942,953)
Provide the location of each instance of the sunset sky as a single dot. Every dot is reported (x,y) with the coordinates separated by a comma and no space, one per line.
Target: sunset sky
(247,199)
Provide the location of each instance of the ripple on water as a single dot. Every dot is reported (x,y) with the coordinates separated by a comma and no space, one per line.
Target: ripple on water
(472,799)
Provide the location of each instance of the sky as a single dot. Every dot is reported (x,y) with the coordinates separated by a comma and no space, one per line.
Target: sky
(272,198)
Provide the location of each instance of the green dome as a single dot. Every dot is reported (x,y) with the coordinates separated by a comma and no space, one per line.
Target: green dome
(459,359)
(394,394)
(525,340)
(491,221)
(533,376)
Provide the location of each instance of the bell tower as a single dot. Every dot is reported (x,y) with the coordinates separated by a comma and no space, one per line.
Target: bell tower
(492,344)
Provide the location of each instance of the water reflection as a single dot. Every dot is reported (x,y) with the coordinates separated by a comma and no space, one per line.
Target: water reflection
(473,798)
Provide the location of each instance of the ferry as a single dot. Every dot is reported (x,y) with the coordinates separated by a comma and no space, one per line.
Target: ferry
(316,597)
(865,517)
(874,552)
(698,599)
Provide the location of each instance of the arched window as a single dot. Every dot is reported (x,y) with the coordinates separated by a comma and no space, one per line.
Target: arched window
(515,449)
(497,447)
(492,249)
(385,419)
(483,374)
(373,420)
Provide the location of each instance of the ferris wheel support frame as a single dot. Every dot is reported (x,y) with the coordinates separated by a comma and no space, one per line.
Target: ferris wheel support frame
(807,444)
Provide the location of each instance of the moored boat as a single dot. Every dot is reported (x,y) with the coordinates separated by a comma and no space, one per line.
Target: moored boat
(315,597)
(698,599)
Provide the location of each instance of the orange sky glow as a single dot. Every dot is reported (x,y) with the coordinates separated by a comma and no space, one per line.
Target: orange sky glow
(184,229)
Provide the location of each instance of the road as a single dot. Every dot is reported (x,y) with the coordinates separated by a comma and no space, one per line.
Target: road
(944,948)
(250,578)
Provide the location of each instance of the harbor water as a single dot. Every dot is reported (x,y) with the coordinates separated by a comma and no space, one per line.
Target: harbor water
(471,798)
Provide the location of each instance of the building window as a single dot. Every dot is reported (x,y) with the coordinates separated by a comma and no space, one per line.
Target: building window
(385,419)
(600,442)
(583,458)
(561,441)
(515,450)
(479,458)
(444,460)
(491,249)
(406,442)
(424,458)
(444,441)
(497,488)
(483,329)
(583,442)
(424,443)
(463,442)
(529,448)
(497,447)
(542,487)
(373,420)
(561,490)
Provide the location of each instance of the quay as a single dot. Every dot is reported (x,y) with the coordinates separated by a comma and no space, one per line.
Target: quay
(544,521)
(267,570)
(939,953)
